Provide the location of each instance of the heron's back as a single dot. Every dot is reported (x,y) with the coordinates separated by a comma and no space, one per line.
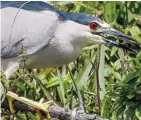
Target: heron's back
(32,30)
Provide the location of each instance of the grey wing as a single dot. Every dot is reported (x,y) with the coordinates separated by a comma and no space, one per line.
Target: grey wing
(30,31)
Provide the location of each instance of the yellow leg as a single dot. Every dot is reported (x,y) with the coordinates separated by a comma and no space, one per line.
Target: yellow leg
(11,105)
(38,113)
(44,107)
(47,105)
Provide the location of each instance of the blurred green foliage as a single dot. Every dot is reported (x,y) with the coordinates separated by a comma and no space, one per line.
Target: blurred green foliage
(122,70)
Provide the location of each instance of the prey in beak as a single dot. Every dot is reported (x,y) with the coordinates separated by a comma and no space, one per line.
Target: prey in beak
(125,42)
(113,37)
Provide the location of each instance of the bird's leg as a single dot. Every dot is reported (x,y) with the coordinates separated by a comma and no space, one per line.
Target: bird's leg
(37,110)
(10,98)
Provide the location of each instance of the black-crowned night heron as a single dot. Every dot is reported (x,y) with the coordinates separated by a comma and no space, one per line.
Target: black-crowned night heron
(49,37)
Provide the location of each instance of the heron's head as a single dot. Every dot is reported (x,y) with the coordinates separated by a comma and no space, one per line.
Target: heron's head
(98,31)
(112,37)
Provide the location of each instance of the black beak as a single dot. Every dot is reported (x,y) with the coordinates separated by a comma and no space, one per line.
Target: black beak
(125,42)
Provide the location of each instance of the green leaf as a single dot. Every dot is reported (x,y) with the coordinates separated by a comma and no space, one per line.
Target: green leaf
(131,76)
(130,96)
(138,113)
(107,72)
(117,75)
(138,91)
(117,65)
(120,110)
(113,51)
(20,85)
(131,104)
(136,32)
(139,56)
(129,112)
(84,73)
(93,4)
(53,82)
(31,116)
(110,11)
(105,109)
(131,16)
(20,116)
(62,90)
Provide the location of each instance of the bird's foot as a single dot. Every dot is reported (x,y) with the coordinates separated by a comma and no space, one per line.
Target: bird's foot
(38,106)
(44,107)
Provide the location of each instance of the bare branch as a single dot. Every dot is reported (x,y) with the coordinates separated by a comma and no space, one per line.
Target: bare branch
(55,112)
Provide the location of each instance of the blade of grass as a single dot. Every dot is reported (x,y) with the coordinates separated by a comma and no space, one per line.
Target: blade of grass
(83,75)
(101,72)
(61,90)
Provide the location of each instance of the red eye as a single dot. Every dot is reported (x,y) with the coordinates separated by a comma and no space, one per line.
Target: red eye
(93,25)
